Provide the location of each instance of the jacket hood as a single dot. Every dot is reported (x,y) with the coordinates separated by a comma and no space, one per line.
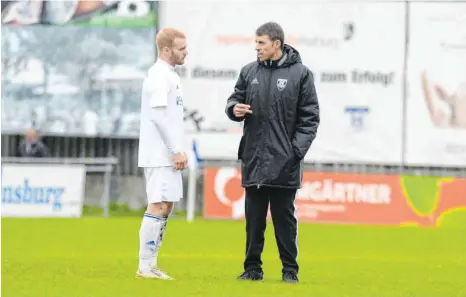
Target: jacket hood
(291,56)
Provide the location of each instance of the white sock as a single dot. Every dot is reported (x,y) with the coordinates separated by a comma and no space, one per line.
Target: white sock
(150,237)
(158,244)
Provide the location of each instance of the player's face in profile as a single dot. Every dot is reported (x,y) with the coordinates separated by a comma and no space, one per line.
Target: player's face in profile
(179,51)
(265,47)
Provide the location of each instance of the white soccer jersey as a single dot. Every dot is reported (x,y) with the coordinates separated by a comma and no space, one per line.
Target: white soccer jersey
(161,122)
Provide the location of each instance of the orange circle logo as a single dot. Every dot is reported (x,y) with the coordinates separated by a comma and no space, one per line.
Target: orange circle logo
(228,186)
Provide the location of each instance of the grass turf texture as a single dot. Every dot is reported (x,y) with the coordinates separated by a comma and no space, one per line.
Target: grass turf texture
(98,257)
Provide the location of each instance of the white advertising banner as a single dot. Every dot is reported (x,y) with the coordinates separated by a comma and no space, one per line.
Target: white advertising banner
(436,101)
(355,50)
(42,190)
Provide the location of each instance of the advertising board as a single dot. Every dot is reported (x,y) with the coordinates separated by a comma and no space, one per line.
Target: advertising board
(329,197)
(42,190)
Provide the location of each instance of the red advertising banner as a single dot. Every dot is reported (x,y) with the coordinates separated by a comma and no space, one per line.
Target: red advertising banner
(329,197)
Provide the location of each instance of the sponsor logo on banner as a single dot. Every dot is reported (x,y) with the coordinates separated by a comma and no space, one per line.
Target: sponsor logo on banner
(436,101)
(223,194)
(42,190)
(348,31)
(357,116)
(347,198)
(318,40)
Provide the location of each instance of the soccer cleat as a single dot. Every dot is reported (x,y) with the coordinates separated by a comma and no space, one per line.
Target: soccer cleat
(163,274)
(254,275)
(290,277)
(154,274)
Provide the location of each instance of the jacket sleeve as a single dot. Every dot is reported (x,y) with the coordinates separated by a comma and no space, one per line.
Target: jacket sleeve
(21,150)
(308,118)
(238,96)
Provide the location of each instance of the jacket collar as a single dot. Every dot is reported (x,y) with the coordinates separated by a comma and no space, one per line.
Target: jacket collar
(276,63)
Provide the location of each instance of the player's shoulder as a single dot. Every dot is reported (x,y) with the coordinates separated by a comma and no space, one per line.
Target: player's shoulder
(305,72)
(156,70)
(249,67)
(159,75)
(248,70)
(301,71)
(303,68)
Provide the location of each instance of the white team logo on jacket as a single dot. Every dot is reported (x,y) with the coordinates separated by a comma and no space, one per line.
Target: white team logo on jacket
(281,84)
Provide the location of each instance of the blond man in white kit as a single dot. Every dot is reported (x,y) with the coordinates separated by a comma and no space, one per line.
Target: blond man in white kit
(161,147)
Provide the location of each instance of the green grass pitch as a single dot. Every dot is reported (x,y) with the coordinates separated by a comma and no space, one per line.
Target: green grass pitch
(97,257)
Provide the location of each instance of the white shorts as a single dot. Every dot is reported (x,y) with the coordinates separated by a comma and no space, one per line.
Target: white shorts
(163,184)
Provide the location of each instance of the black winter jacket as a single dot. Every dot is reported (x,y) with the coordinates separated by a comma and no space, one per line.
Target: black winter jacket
(283,123)
(33,150)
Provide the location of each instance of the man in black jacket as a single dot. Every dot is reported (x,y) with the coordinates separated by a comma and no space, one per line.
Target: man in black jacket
(31,146)
(276,98)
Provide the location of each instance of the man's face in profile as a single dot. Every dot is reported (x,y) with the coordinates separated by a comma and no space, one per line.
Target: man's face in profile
(31,136)
(265,47)
(179,51)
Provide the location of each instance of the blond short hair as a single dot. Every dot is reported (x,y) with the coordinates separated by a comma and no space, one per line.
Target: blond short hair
(166,37)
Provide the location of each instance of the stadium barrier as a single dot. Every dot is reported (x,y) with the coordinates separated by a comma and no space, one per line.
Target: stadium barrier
(127,180)
(51,187)
(344,194)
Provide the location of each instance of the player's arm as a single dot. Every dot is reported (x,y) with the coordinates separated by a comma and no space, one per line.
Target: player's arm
(236,108)
(159,116)
(308,118)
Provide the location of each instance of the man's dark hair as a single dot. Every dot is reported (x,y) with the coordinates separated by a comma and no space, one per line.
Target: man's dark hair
(273,30)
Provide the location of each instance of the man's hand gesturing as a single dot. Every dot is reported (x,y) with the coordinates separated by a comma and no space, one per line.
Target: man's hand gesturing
(240,110)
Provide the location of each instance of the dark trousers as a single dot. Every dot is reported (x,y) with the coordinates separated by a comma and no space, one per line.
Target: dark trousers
(285,224)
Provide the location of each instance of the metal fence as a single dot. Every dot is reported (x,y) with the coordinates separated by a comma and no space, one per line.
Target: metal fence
(125,150)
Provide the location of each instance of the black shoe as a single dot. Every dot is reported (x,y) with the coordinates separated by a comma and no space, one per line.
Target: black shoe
(290,277)
(254,275)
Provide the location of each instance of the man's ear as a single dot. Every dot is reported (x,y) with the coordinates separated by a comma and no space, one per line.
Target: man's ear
(277,43)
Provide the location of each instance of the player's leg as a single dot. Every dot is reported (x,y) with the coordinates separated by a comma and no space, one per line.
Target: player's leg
(163,210)
(285,223)
(164,187)
(256,206)
(151,236)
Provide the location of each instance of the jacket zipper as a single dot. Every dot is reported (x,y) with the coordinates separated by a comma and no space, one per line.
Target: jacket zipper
(263,129)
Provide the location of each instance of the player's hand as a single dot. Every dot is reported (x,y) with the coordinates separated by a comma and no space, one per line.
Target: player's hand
(180,161)
(240,110)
